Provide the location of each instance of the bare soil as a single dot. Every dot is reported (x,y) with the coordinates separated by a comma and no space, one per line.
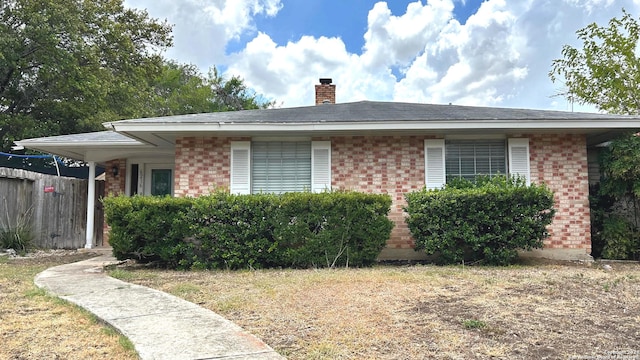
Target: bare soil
(34,325)
(540,311)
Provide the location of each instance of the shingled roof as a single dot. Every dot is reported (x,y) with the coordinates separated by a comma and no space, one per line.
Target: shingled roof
(373,111)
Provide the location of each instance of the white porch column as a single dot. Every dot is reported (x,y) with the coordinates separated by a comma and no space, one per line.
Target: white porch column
(91,204)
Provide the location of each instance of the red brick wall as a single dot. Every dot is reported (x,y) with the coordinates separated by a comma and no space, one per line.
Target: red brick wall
(560,161)
(202,165)
(386,164)
(394,165)
(115,185)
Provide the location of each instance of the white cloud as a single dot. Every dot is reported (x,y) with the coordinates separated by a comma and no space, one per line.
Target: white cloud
(499,57)
(202,29)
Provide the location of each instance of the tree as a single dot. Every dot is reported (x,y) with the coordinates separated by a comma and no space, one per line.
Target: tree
(606,71)
(233,94)
(181,89)
(68,65)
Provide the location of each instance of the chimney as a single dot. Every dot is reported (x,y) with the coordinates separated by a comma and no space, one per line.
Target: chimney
(325,92)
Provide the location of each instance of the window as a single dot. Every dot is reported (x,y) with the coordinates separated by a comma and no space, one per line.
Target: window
(449,159)
(470,158)
(280,166)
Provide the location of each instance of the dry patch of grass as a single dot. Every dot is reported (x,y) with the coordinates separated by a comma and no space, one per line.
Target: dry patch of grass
(526,312)
(34,325)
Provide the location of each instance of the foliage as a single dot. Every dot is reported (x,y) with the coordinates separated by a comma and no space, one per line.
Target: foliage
(332,229)
(474,324)
(145,228)
(620,166)
(227,231)
(606,71)
(68,65)
(181,89)
(19,238)
(622,239)
(600,206)
(17,234)
(230,232)
(487,221)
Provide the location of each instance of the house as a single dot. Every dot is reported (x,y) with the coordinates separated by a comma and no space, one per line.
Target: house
(381,147)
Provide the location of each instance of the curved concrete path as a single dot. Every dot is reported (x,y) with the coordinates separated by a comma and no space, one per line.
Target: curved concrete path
(161,326)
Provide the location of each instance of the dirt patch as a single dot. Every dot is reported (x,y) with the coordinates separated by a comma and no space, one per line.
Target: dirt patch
(547,311)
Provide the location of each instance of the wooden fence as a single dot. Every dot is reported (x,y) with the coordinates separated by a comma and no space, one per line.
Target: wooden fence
(55,207)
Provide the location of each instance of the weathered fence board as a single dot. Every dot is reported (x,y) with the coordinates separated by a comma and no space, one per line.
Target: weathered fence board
(57,207)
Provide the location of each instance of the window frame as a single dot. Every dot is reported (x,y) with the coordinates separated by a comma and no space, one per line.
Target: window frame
(241,168)
(517,153)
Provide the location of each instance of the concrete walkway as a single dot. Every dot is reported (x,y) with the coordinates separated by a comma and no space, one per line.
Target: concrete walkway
(160,326)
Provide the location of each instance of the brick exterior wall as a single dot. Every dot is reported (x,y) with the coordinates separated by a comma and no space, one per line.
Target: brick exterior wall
(202,165)
(387,164)
(115,185)
(560,161)
(394,165)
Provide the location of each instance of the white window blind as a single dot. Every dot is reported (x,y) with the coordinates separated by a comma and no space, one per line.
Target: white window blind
(280,167)
(471,158)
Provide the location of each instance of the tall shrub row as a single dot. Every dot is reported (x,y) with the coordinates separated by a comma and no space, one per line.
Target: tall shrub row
(251,231)
(487,220)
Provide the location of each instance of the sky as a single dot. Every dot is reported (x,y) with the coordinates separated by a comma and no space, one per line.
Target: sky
(464,52)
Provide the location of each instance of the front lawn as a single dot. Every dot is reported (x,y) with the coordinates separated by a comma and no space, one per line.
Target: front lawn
(34,325)
(554,311)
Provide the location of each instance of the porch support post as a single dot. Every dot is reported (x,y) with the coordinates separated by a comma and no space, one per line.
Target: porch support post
(91,204)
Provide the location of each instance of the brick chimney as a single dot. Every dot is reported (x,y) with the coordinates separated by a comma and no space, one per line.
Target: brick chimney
(325,92)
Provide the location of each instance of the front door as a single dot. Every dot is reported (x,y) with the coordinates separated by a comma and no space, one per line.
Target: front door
(158,180)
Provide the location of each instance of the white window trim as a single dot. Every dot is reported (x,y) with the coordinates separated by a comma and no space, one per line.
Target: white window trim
(147,176)
(144,162)
(435,170)
(240,181)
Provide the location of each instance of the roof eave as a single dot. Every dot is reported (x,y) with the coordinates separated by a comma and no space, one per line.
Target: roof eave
(320,126)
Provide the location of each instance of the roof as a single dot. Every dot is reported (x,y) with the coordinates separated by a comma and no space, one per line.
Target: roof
(370,111)
(156,136)
(97,146)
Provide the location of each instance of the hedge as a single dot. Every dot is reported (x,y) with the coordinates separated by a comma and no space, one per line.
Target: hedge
(224,231)
(485,221)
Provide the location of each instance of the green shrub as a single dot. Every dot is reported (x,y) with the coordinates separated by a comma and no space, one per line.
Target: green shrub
(146,228)
(332,229)
(620,239)
(229,232)
(226,231)
(487,220)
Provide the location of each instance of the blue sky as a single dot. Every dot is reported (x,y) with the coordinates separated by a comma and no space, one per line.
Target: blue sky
(331,18)
(467,52)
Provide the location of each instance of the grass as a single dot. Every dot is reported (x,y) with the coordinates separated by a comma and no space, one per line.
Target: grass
(554,311)
(34,325)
